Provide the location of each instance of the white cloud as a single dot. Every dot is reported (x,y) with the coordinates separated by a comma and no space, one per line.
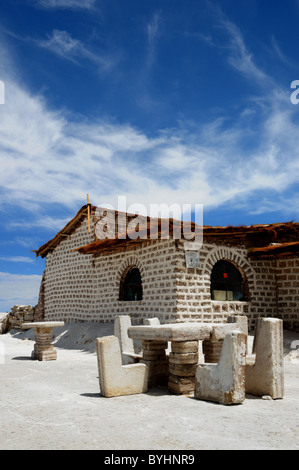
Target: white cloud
(66,4)
(152,31)
(153,28)
(18,289)
(240,58)
(279,52)
(64,45)
(46,157)
(45,222)
(17,259)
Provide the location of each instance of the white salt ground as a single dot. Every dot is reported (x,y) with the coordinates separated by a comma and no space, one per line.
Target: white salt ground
(57,404)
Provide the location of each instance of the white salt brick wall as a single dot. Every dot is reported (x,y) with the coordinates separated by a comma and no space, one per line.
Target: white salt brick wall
(69,279)
(81,287)
(85,288)
(193,286)
(154,260)
(288,292)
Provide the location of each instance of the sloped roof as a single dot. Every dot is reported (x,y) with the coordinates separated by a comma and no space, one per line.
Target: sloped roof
(70,227)
(148,226)
(258,238)
(279,249)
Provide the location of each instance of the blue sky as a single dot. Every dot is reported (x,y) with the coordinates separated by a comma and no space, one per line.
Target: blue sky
(161,101)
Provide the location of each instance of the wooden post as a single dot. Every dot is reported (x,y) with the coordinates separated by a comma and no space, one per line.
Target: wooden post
(88,213)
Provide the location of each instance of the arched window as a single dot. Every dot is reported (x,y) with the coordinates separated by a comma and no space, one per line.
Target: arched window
(226,282)
(131,285)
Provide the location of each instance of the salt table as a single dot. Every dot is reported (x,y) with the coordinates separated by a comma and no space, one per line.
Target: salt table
(43,347)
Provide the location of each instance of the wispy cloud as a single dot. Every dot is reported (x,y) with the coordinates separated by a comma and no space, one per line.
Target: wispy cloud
(279,53)
(143,96)
(240,57)
(21,240)
(152,31)
(17,259)
(153,28)
(64,45)
(65,4)
(45,222)
(206,38)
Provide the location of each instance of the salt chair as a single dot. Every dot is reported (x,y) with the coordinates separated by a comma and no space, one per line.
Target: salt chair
(128,354)
(211,348)
(224,382)
(116,379)
(265,367)
(242,324)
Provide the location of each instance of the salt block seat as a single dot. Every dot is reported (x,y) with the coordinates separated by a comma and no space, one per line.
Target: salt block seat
(224,382)
(242,324)
(151,321)
(265,367)
(128,354)
(116,379)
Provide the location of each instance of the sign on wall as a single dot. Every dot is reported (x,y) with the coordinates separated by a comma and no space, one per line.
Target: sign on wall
(192,259)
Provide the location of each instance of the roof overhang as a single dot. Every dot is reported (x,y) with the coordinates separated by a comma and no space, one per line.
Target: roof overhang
(70,227)
(262,240)
(275,250)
